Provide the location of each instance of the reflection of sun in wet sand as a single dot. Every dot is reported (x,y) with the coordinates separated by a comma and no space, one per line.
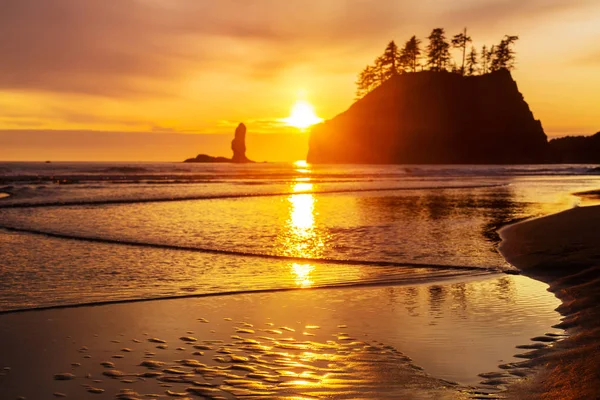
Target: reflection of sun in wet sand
(252,362)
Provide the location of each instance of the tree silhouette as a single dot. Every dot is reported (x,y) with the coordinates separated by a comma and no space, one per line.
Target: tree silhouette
(394,61)
(438,54)
(409,55)
(460,41)
(487,57)
(504,55)
(380,73)
(367,80)
(390,61)
(472,62)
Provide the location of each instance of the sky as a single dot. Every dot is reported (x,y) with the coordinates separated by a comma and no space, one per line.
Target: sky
(78,78)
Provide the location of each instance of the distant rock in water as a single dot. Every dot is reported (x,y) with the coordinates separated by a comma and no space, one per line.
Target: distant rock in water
(238,145)
(576,149)
(205,158)
(434,118)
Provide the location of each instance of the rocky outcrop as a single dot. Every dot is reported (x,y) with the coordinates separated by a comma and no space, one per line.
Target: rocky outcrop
(205,158)
(434,118)
(238,146)
(576,149)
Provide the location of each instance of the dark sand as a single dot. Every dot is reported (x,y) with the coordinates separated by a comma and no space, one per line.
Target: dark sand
(563,250)
(292,345)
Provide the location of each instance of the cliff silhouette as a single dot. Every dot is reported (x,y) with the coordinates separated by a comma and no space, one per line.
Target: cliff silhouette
(576,149)
(434,118)
(238,147)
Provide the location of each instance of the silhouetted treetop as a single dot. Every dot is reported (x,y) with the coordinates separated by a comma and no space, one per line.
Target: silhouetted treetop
(409,57)
(504,55)
(460,41)
(437,57)
(438,53)
(390,60)
(471,63)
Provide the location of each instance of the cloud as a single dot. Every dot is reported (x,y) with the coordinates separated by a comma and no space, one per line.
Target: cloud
(258,125)
(591,59)
(134,47)
(131,48)
(489,14)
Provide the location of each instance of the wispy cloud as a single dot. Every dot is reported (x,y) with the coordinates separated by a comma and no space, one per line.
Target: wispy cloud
(189,63)
(132,47)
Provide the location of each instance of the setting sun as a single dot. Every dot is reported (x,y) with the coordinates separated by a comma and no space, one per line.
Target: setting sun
(303,115)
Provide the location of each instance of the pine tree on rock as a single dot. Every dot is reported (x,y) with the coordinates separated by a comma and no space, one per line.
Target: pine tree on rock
(390,61)
(367,81)
(460,41)
(410,54)
(438,53)
(380,72)
(504,55)
(487,57)
(472,63)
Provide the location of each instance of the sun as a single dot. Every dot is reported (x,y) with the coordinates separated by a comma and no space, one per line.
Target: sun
(302,115)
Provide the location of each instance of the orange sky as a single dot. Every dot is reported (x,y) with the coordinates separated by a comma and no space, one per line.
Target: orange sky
(199,67)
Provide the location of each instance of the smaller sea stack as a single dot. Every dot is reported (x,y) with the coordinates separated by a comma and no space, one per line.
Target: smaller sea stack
(238,146)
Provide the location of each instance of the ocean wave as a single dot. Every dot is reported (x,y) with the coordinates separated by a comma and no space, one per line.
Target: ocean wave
(238,195)
(126,170)
(376,263)
(397,281)
(502,171)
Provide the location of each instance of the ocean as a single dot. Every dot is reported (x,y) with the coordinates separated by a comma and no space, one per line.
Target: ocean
(92,232)
(410,252)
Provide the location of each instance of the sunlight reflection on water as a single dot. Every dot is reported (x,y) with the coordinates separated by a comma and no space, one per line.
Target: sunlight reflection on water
(455,328)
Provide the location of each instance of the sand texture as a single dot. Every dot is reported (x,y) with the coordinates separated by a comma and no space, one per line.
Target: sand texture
(564,251)
(223,348)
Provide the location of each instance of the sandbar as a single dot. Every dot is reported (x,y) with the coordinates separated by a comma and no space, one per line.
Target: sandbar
(563,250)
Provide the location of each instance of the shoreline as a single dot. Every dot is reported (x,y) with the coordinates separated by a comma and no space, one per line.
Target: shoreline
(484,274)
(562,250)
(170,309)
(358,329)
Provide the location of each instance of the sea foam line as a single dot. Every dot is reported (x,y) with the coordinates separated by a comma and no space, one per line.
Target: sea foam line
(376,263)
(339,285)
(235,196)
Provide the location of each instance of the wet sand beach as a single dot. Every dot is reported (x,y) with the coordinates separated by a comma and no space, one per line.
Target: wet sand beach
(217,348)
(361,294)
(371,342)
(564,251)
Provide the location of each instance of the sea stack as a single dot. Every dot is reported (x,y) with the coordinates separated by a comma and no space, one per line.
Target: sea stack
(434,118)
(238,145)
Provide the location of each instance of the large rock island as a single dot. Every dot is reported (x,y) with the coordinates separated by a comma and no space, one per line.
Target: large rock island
(434,118)
(238,146)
